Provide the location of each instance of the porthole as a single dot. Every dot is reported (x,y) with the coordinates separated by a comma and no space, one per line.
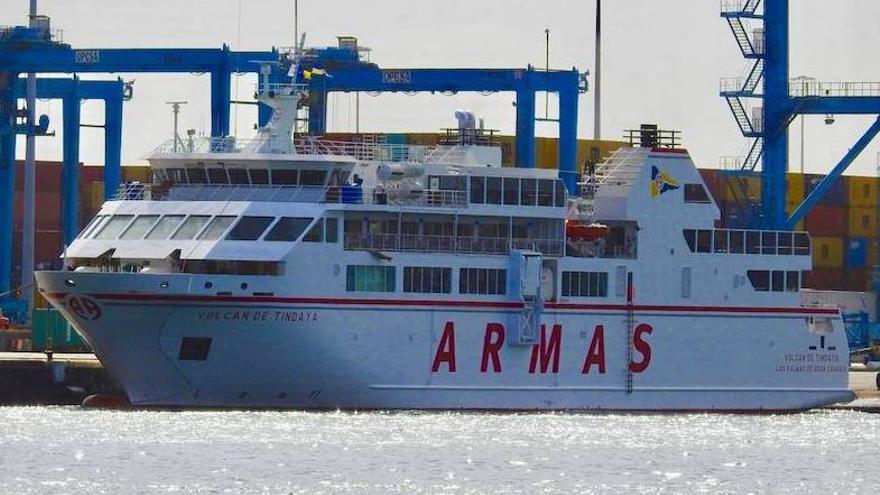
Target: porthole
(244,286)
(209,285)
(70,282)
(163,284)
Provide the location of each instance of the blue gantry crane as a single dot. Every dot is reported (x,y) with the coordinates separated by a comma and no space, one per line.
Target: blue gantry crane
(766,46)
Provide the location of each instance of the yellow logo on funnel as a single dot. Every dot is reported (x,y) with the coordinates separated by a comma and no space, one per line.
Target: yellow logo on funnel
(661,182)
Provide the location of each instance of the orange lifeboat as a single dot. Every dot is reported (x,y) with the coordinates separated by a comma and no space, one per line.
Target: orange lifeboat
(579,232)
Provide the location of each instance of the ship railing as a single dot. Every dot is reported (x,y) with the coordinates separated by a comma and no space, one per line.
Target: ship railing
(450,244)
(135,191)
(306,145)
(281,88)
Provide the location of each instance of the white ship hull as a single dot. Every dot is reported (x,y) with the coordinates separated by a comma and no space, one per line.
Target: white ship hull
(370,353)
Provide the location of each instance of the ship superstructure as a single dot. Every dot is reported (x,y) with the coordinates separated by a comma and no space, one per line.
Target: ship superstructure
(290,271)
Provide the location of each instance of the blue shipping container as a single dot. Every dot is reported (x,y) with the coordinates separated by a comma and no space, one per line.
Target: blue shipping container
(856,252)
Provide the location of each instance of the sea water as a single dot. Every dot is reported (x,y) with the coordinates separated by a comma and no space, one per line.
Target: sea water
(70,450)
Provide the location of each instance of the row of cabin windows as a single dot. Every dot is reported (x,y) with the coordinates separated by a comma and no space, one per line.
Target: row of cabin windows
(211,228)
(425,279)
(516,191)
(775,280)
(585,284)
(747,242)
(241,176)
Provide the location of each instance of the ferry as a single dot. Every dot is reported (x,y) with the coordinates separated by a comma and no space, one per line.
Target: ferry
(289,271)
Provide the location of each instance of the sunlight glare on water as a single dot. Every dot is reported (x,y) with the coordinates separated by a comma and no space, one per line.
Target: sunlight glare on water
(69,450)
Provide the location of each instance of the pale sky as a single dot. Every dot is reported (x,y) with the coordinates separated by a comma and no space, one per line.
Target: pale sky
(662,62)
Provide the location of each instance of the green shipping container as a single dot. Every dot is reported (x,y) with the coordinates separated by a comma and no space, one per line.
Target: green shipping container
(51,331)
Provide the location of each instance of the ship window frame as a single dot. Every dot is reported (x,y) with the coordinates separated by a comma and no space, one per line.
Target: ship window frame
(196,171)
(696,193)
(92,226)
(370,278)
(559,193)
(720,241)
(494,190)
(482,281)
(178,233)
(777,280)
(256,224)
(288,176)
(510,196)
(478,189)
(736,242)
(239,173)
(759,279)
(282,226)
(331,232)
(176,175)
(180,219)
(211,227)
(311,182)
(315,233)
(259,176)
(210,171)
(124,234)
(545,192)
(802,244)
(427,280)
(690,238)
(122,218)
(792,281)
(784,243)
(530,192)
(704,241)
(753,242)
(584,284)
(768,242)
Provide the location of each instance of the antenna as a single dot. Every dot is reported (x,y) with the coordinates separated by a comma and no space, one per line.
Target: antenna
(175,109)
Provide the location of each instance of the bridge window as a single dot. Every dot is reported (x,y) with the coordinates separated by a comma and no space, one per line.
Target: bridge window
(478,190)
(784,243)
(690,237)
(259,176)
(493,190)
(238,175)
(802,244)
(197,175)
(192,226)
(218,175)
(369,278)
(427,279)
(331,230)
(528,192)
(216,228)
(288,229)
(559,194)
(93,225)
(316,233)
(114,227)
(312,177)
(768,242)
(545,192)
(482,281)
(696,193)
(511,191)
(166,226)
(285,177)
(139,227)
(176,175)
(585,284)
(249,228)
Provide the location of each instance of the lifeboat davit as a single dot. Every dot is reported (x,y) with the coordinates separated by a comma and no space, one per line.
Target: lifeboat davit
(585,233)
